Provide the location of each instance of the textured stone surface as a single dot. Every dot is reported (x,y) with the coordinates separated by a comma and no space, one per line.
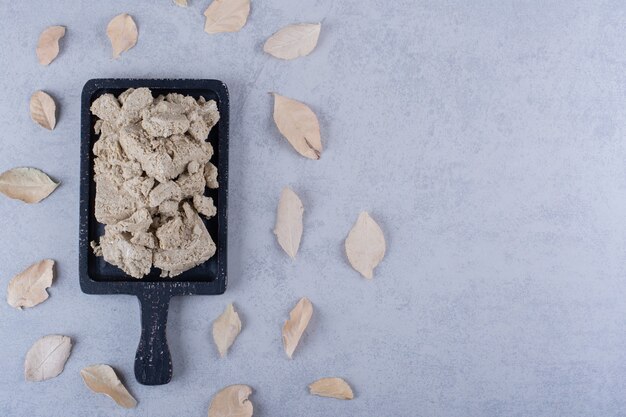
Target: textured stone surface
(487,140)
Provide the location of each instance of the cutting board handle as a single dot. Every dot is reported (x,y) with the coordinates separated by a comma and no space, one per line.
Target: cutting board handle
(153,362)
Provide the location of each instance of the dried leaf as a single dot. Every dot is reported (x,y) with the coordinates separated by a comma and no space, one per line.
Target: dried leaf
(293,41)
(47,357)
(232,401)
(48,45)
(365,245)
(288,229)
(28,288)
(122,31)
(102,379)
(181,3)
(225,329)
(294,327)
(299,125)
(332,387)
(43,110)
(27,184)
(226,15)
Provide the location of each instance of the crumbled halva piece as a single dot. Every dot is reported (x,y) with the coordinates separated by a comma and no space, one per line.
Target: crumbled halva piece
(118,250)
(97,250)
(104,128)
(183,244)
(168,208)
(207,110)
(132,170)
(210,175)
(173,233)
(113,202)
(122,97)
(151,169)
(134,104)
(139,221)
(191,184)
(187,102)
(193,167)
(146,239)
(139,187)
(202,118)
(204,205)
(168,190)
(107,108)
(165,119)
(185,149)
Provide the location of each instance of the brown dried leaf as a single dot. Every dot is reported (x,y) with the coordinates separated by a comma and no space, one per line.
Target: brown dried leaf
(48,45)
(122,31)
(293,41)
(299,125)
(43,110)
(332,387)
(46,358)
(299,319)
(27,184)
(181,3)
(232,401)
(28,288)
(102,379)
(365,245)
(288,229)
(226,15)
(225,329)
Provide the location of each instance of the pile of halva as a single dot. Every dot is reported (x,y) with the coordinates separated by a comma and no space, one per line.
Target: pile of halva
(151,168)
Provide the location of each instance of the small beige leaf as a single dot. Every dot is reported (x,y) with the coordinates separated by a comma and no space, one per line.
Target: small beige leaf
(27,184)
(43,110)
(181,3)
(365,245)
(293,41)
(288,229)
(102,379)
(47,357)
(225,329)
(122,31)
(294,327)
(28,288)
(226,15)
(48,45)
(332,387)
(232,401)
(299,125)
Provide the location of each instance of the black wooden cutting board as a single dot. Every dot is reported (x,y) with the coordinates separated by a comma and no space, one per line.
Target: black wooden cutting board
(153,363)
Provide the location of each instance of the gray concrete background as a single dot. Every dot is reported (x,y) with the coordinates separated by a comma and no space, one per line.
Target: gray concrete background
(486,138)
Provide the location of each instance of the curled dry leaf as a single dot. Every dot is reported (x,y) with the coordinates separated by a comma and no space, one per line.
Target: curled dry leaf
(288,229)
(232,401)
(27,184)
(332,387)
(299,319)
(299,125)
(43,110)
(122,31)
(293,41)
(226,15)
(365,245)
(225,329)
(102,379)
(48,45)
(181,3)
(47,357)
(28,288)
